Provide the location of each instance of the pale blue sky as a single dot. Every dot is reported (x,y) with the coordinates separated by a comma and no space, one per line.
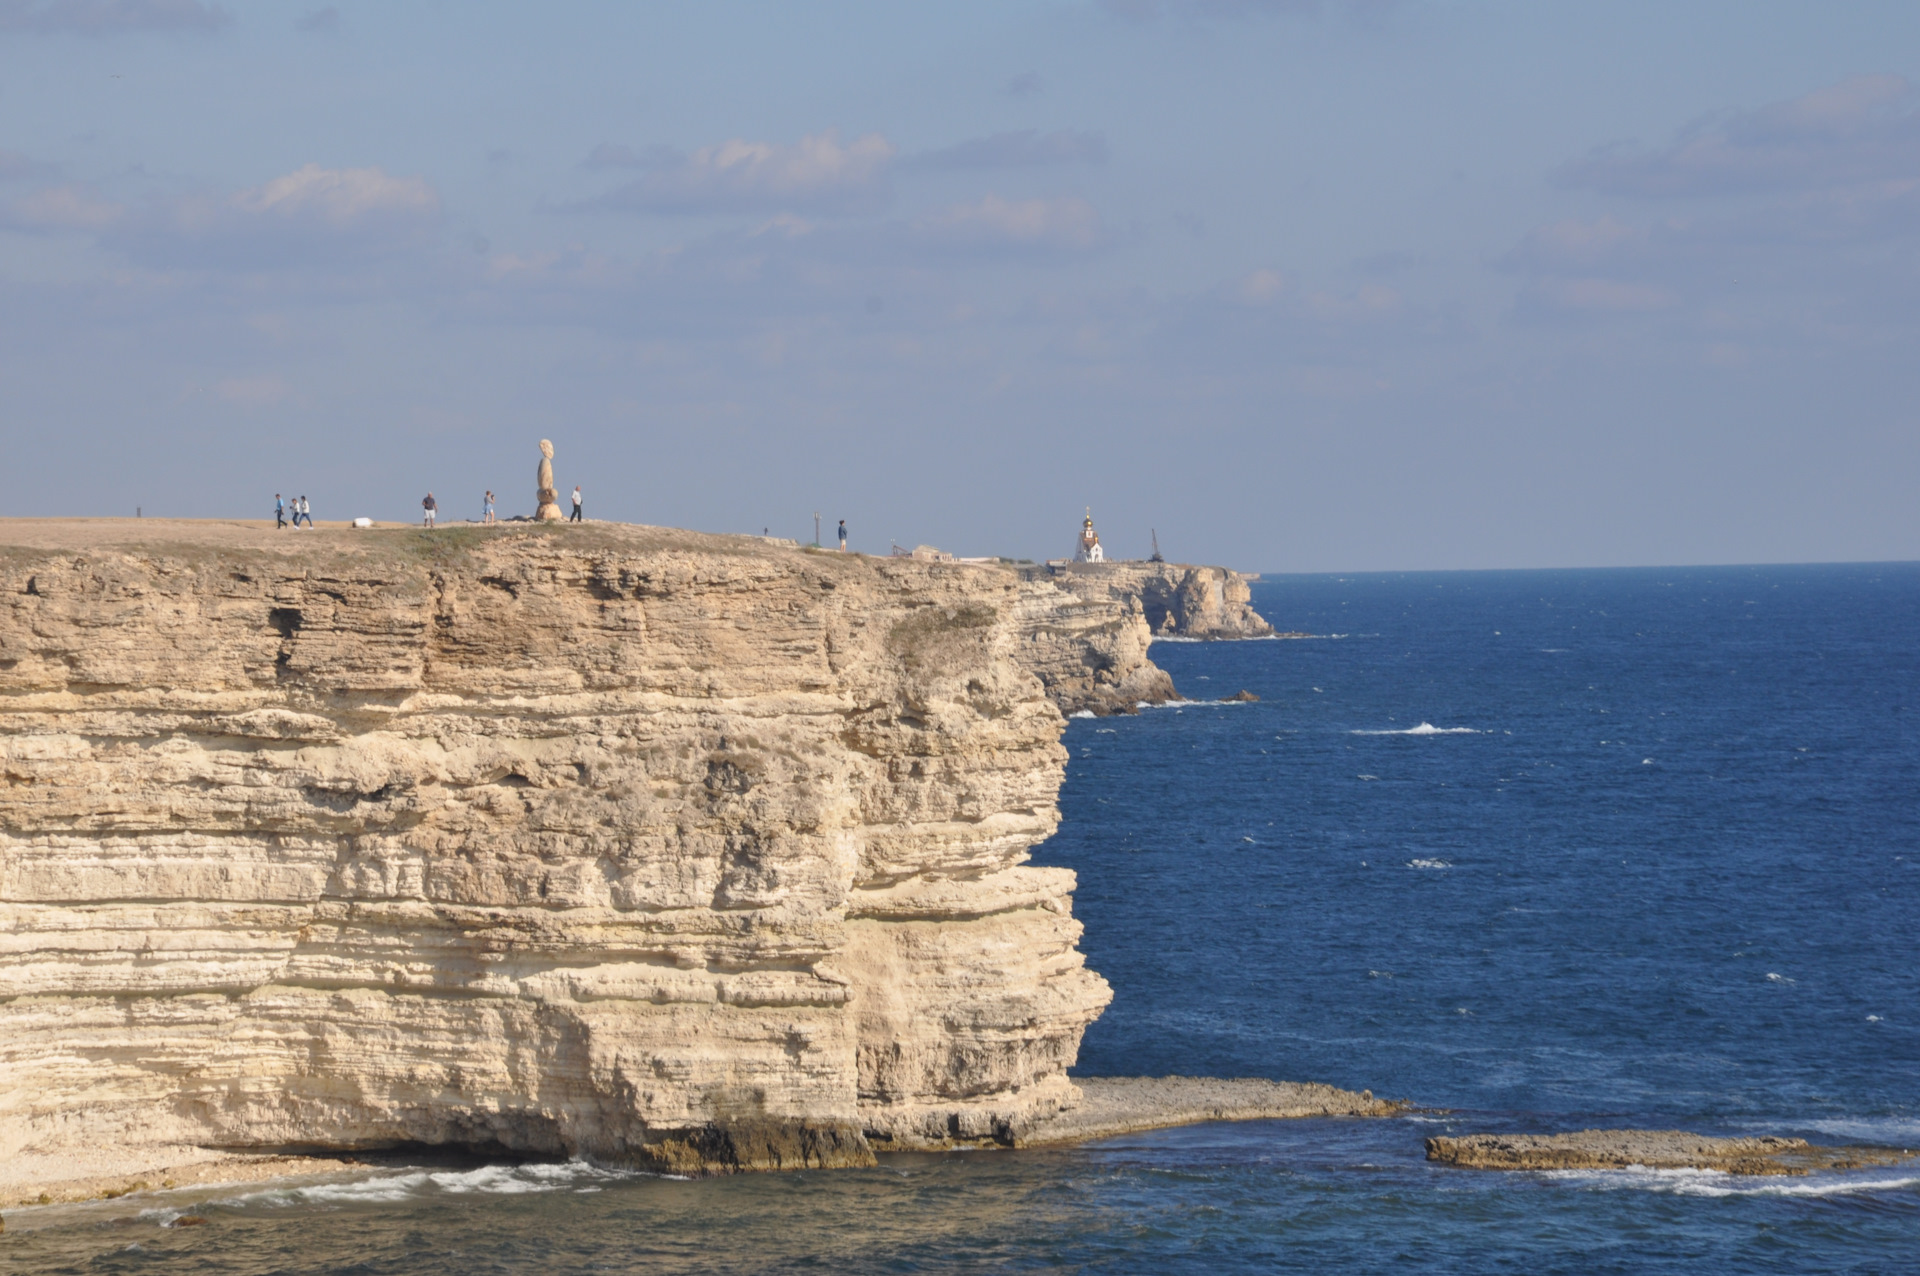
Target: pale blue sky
(1346,285)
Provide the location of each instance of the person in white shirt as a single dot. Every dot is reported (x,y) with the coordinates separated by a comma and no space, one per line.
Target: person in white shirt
(576,507)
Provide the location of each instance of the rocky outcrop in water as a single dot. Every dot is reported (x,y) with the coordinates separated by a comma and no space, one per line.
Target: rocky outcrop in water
(679,850)
(1651,1149)
(1121,1105)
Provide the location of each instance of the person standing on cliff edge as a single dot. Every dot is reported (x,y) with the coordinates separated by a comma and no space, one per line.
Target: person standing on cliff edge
(576,507)
(843,536)
(431,506)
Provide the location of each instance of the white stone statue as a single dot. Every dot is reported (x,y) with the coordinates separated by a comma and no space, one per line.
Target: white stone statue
(549,500)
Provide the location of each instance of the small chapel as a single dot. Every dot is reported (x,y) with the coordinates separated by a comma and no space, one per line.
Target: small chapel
(1088,550)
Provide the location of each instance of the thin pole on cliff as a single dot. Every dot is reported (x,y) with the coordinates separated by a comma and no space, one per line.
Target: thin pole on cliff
(816,529)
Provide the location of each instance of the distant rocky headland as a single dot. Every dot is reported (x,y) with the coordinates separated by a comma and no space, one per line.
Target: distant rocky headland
(1178,600)
(1089,643)
(678,850)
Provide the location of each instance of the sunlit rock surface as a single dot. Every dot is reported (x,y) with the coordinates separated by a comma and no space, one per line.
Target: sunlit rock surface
(1177,600)
(683,850)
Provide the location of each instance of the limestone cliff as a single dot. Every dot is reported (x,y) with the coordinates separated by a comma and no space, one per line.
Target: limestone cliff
(688,851)
(1089,647)
(1176,599)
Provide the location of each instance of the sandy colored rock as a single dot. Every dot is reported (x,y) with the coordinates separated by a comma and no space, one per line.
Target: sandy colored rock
(1089,650)
(667,849)
(1651,1149)
(1111,1106)
(131,1170)
(1177,600)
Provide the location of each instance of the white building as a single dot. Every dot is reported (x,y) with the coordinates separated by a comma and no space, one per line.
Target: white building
(1088,550)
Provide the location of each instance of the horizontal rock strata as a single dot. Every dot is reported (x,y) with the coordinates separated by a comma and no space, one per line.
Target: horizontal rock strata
(1651,1149)
(679,850)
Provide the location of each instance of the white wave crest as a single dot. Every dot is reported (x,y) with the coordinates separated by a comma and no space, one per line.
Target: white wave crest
(1428,864)
(1713,1183)
(1903,1132)
(381,1189)
(387,1188)
(1425,728)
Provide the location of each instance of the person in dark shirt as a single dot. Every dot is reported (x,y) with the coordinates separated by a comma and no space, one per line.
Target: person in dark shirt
(431,506)
(843,536)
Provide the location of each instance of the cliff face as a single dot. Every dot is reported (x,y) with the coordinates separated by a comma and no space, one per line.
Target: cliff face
(1089,646)
(1176,600)
(680,850)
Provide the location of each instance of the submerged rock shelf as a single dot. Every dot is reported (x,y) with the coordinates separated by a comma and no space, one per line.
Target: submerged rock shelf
(1653,1150)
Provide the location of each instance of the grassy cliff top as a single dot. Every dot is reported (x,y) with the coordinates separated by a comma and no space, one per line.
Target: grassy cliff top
(71,535)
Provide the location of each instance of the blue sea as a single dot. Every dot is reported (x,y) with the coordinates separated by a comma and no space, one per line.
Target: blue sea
(1536,851)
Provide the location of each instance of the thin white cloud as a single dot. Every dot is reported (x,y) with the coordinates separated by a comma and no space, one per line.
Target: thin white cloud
(104,17)
(611,155)
(1239,10)
(251,392)
(1024,148)
(1598,296)
(818,173)
(1368,301)
(1066,223)
(53,209)
(340,197)
(1260,287)
(16,167)
(1575,244)
(1862,129)
(309,215)
(1144,10)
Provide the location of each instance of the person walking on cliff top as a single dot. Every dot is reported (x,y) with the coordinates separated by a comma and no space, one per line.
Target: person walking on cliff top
(843,536)
(279,512)
(431,506)
(302,510)
(486,513)
(576,507)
